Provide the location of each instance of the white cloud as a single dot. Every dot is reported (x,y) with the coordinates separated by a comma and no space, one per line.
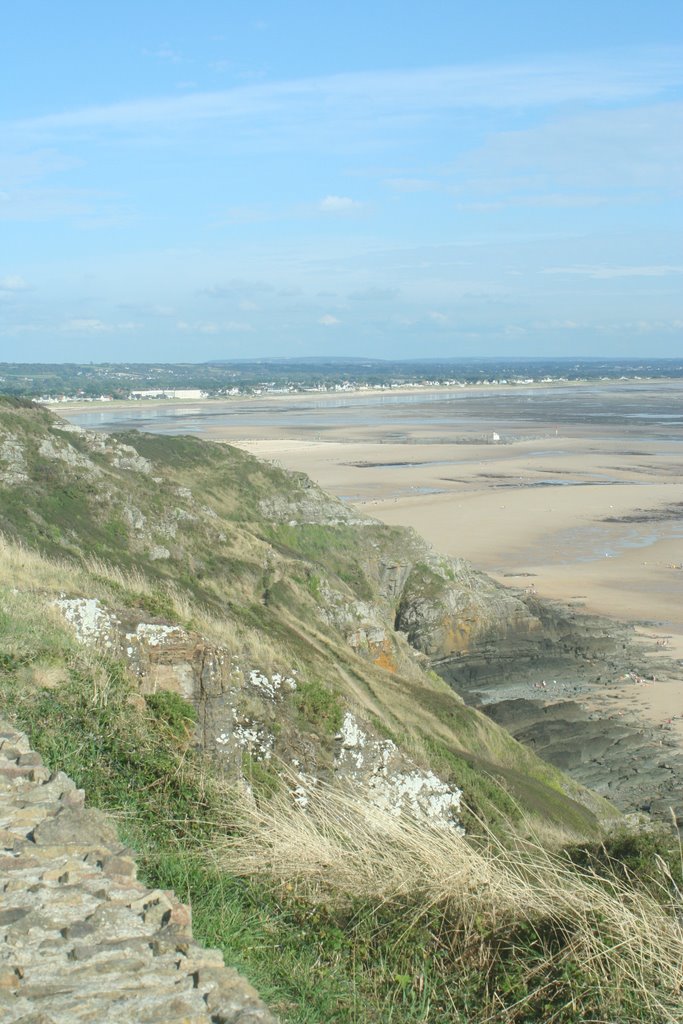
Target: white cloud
(12,283)
(328,320)
(637,147)
(89,324)
(600,78)
(92,325)
(213,327)
(606,273)
(373,294)
(410,184)
(549,201)
(339,204)
(556,325)
(164,52)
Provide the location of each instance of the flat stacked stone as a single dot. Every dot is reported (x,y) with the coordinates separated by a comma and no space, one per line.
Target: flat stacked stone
(80,938)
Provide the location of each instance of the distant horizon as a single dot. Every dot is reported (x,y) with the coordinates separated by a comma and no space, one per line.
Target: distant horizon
(342,359)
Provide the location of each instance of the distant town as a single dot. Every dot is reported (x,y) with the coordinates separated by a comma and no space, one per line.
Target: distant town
(105,382)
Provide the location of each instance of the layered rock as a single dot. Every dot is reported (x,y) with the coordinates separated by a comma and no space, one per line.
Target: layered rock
(80,938)
(245,711)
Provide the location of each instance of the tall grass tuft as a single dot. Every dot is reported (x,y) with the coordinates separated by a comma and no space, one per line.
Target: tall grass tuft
(542,933)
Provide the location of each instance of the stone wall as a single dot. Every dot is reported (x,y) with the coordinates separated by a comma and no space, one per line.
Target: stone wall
(80,938)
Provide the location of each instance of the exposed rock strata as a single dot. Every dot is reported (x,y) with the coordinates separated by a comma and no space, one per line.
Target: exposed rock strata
(244,711)
(80,938)
(633,765)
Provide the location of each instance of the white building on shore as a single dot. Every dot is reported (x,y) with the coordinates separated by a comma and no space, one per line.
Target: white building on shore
(182,393)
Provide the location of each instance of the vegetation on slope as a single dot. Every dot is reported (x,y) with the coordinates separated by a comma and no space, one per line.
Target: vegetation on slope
(345,914)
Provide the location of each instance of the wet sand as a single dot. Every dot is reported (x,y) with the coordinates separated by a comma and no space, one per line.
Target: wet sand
(577,519)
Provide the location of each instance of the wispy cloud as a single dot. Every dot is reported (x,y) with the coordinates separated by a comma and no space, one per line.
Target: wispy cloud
(596,79)
(605,273)
(165,53)
(42,204)
(339,204)
(92,325)
(552,201)
(410,184)
(373,294)
(636,147)
(329,321)
(12,283)
(214,327)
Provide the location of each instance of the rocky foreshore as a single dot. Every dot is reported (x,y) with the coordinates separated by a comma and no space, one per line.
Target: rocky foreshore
(81,939)
(565,700)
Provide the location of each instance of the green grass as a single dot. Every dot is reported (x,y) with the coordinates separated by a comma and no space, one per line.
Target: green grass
(319,706)
(338,548)
(351,961)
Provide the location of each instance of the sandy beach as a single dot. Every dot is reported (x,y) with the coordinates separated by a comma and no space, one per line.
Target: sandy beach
(573,495)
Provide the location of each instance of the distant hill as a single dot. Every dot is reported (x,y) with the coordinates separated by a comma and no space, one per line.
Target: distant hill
(118,380)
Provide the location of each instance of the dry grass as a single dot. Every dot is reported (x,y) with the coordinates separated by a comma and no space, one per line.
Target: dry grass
(31,572)
(343,848)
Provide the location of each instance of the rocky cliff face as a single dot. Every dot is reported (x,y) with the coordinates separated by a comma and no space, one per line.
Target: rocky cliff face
(242,711)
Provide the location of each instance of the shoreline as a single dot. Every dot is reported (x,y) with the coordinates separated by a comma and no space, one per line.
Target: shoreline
(122,404)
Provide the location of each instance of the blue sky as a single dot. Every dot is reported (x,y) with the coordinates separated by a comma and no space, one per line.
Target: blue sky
(182,182)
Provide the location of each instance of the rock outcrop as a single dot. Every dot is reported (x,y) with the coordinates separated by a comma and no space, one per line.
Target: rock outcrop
(80,938)
(244,715)
(632,764)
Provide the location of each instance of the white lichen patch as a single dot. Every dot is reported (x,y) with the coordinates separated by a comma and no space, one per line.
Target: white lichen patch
(271,686)
(157,634)
(358,620)
(391,780)
(15,470)
(420,793)
(158,553)
(134,518)
(254,738)
(353,740)
(312,507)
(71,428)
(301,793)
(167,528)
(92,623)
(63,452)
(124,456)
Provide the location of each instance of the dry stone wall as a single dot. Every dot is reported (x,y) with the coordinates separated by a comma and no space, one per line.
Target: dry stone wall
(80,938)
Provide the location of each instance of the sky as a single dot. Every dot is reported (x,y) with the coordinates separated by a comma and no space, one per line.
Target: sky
(214,180)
